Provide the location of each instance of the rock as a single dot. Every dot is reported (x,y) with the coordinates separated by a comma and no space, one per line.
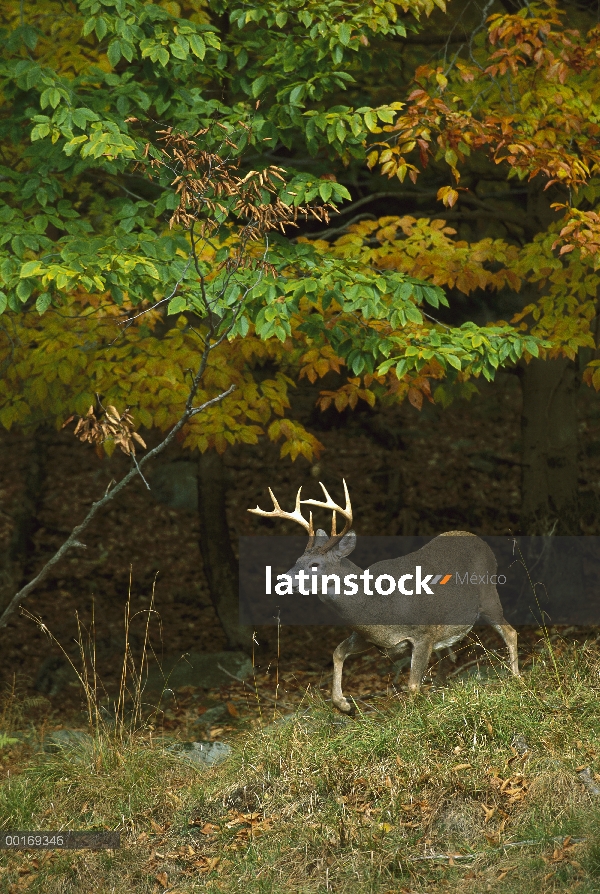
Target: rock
(199,669)
(53,675)
(208,754)
(67,738)
(480,464)
(212,715)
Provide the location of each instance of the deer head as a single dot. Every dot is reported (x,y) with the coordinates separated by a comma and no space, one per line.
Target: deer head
(323,554)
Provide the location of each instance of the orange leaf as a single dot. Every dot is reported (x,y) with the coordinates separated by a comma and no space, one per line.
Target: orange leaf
(415,397)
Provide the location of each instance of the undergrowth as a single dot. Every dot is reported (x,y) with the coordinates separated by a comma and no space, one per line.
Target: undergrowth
(472,787)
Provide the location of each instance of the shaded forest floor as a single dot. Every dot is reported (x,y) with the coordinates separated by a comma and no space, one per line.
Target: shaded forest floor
(408,473)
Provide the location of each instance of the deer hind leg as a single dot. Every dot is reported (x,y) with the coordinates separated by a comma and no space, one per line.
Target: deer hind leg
(420,659)
(351,646)
(509,635)
(445,657)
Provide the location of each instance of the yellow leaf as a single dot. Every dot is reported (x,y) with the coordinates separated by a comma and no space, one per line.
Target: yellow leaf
(447,195)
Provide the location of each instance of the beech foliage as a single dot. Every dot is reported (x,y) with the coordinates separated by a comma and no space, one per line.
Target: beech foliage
(163,161)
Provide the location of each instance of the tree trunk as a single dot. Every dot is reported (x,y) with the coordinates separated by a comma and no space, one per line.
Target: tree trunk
(17,560)
(220,565)
(549,503)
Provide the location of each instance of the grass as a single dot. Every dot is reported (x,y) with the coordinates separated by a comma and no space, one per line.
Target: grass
(428,795)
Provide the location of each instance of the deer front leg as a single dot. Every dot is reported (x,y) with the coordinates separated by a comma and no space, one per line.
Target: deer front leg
(420,659)
(351,646)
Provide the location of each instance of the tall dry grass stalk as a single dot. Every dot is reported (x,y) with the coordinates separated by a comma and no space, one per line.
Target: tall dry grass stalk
(128,707)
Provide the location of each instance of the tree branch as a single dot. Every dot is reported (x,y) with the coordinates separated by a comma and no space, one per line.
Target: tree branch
(373,197)
(326,234)
(72,540)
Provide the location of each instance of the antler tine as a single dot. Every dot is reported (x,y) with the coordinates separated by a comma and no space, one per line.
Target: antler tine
(328,503)
(278,512)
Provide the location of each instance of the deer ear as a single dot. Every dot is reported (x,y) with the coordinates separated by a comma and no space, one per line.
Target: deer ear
(322,536)
(345,546)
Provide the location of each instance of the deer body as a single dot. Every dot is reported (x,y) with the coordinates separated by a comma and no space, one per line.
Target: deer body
(413,614)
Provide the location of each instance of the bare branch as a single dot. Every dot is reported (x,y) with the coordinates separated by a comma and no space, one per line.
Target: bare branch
(72,540)
(126,323)
(327,234)
(211,403)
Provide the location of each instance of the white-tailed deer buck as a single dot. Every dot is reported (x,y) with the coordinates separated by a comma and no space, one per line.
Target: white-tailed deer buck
(424,618)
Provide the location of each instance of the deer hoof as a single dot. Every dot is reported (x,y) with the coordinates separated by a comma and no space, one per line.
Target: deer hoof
(345,706)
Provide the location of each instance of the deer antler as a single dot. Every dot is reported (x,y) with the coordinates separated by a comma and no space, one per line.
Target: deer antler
(296,515)
(329,504)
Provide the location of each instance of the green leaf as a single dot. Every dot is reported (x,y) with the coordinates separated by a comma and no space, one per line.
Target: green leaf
(114,52)
(177,305)
(413,313)
(197,45)
(450,157)
(371,120)
(30,37)
(453,360)
(54,97)
(386,115)
(297,93)
(401,368)
(259,85)
(385,367)
(43,302)
(30,268)
(358,364)
(325,190)
(405,291)
(24,290)
(345,33)
(340,192)
(101,28)
(3,302)
(244,326)
(179,48)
